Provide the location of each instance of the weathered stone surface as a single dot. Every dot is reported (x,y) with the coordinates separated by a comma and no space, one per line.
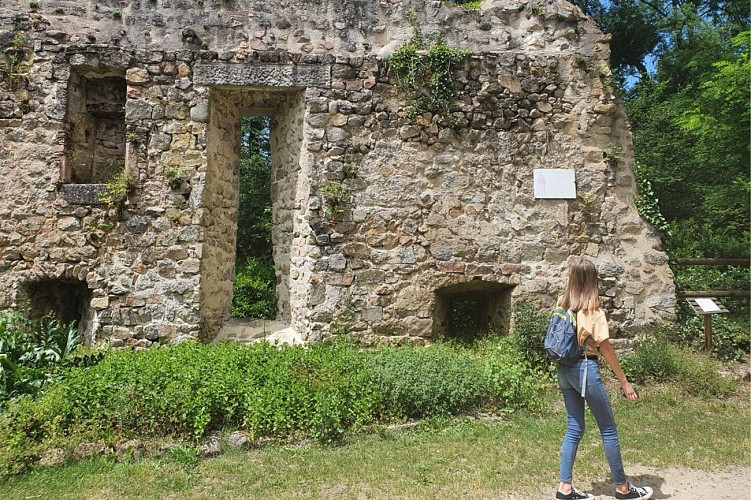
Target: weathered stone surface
(238,439)
(427,213)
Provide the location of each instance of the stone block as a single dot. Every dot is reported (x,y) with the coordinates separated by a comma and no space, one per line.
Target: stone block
(200,112)
(136,76)
(271,75)
(137,109)
(69,224)
(82,194)
(450,267)
(100,303)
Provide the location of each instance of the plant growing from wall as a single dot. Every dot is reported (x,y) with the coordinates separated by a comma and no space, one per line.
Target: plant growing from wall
(613,152)
(605,76)
(424,72)
(117,189)
(13,63)
(176,175)
(468,4)
(536,10)
(335,197)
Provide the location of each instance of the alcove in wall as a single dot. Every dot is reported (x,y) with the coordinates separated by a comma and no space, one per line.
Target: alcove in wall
(67,300)
(469,310)
(95,126)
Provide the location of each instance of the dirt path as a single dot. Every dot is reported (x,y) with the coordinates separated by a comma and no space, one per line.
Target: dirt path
(680,484)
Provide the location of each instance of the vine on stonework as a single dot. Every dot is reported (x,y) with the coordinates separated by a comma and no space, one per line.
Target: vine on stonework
(423,69)
(14,66)
(647,203)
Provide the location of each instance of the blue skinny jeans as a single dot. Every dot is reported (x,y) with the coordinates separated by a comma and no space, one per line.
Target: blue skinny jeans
(596,397)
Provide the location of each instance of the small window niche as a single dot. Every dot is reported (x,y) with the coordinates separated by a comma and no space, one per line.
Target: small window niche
(95,127)
(467,311)
(67,300)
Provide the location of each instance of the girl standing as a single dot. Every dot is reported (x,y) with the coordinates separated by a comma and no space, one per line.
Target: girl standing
(582,295)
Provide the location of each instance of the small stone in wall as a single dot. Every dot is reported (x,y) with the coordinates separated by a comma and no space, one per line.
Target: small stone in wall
(138,224)
(69,223)
(100,303)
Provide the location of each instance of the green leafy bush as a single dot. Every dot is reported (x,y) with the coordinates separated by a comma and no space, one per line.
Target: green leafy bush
(320,390)
(425,72)
(513,382)
(254,290)
(730,337)
(656,359)
(428,381)
(699,375)
(31,352)
(653,359)
(528,334)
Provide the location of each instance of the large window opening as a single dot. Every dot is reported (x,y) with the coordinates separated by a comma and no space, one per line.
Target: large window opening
(254,288)
(266,126)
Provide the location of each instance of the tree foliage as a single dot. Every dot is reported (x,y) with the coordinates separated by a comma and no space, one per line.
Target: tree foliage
(254,216)
(254,290)
(683,68)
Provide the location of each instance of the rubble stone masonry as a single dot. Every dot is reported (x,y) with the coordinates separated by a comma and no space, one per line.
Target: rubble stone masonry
(154,90)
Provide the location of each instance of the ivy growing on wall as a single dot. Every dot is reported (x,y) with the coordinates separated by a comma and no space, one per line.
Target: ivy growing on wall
(647,203)
(423,69)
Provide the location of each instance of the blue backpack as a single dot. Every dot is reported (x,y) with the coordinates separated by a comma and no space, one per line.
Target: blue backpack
(561,343)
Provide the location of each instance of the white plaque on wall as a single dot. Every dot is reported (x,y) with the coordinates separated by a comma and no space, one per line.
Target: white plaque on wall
(554,183)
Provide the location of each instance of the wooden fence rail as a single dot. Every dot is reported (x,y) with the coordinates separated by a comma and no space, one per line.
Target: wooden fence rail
(714,293)
(713,262)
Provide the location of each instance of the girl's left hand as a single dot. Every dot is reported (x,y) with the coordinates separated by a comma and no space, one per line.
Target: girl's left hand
(628,391)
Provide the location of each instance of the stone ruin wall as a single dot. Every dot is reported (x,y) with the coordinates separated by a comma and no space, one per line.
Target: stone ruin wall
(433,213)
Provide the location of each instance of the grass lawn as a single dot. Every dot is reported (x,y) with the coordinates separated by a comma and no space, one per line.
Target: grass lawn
(451,458)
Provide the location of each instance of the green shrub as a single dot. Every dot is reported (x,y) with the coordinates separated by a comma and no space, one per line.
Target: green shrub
(653,359)
(513,383)
(656,359)
(699,375)
(427,381)
(190,389)
(730,337)
(254,290)
(321,390)
(528,334)
(32,352)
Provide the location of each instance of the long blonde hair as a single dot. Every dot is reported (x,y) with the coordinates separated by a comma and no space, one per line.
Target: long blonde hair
(582,292)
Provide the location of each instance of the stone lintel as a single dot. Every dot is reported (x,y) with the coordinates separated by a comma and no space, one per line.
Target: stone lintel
(262,75)
(82,194)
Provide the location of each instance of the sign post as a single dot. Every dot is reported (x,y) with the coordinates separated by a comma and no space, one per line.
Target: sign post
(707,307)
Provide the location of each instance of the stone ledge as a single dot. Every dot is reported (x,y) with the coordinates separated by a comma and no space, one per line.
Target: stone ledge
(82,194)
(262,75)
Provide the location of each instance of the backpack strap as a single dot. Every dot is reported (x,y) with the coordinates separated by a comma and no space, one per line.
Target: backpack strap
(586,367)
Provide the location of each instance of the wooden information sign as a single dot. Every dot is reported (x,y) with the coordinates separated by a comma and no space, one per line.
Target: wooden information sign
(707,306)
